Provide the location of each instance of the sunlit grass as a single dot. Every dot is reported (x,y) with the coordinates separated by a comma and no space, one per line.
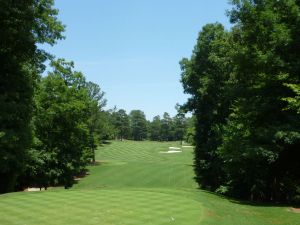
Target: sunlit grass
(134,183)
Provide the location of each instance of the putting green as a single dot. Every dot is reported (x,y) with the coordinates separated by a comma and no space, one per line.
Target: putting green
(98,207)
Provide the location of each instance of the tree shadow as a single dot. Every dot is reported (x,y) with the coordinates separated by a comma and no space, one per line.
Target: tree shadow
(251,203)
(84,173)
(104,143)
(191,165)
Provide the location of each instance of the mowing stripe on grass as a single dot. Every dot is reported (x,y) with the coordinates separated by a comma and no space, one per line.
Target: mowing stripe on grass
(135,185)
(99,207)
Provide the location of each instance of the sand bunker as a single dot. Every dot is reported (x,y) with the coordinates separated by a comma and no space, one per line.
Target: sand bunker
(171,151)
(187,146)
(295,210)
(34,189)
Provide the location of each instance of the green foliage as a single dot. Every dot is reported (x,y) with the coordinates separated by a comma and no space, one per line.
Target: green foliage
(38,171)
(96,119)
(23,25)
(179,127)
(189,135)
(108,130)
(138,124)
(294,102)
(155,129)
(245,96)
(205,76)
(120,120)
(167,128)
(63,109)
(135,126)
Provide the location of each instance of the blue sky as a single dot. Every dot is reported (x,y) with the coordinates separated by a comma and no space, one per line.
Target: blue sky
(131,48)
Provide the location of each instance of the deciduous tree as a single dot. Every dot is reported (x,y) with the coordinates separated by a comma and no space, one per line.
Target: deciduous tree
(23,25)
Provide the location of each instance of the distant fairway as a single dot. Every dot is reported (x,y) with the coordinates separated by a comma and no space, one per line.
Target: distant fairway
(141,165)
(136,184)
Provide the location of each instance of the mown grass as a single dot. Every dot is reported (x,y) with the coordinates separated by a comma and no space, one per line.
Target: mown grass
(134,183)
(141,165)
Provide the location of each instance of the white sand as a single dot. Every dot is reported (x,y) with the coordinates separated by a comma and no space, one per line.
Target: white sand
(33,189)
(171,151)
(187,146)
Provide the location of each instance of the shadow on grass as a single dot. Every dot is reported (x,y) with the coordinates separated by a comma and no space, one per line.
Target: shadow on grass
(189,165)
(96,163)
(84,173)
(251,203)
(104,143)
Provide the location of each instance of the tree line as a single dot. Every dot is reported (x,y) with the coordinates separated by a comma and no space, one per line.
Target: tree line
(244,87)
(135,126)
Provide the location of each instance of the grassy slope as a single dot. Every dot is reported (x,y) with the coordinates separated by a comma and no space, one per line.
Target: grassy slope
(135,184)
(140,165)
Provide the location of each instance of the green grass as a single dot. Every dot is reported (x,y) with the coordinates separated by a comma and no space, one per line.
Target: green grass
(140,165)
(135,184)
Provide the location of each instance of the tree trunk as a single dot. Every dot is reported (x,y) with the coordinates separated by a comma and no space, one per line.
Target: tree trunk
(94,156)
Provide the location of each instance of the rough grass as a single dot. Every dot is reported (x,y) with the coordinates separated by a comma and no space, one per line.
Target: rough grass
(135,184)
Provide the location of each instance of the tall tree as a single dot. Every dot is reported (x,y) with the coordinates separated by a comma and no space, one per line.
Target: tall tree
(122,124)
(96,104)
(205,77)
(189,135)
(244,88)
(23,25)
(155,129)
(166,127)
(261,137)
(179,127)
(138,124)
(61,122)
